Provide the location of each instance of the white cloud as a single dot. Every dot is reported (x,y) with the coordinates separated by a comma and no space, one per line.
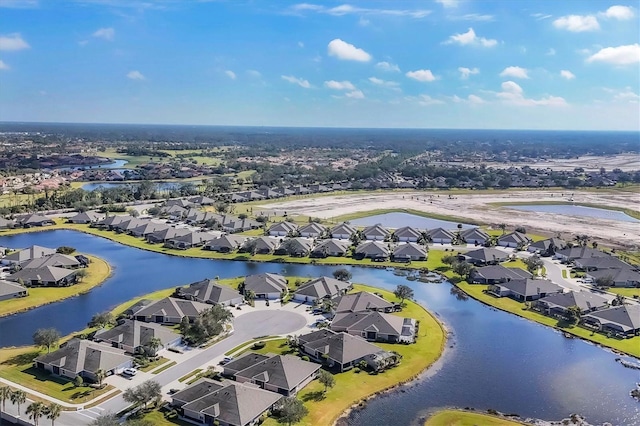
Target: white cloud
(621,13)
(515,72)
(384,83)
(551,52)
(513,94)
(18,4)
(473,99)
(13,42)
(294,80)
(620,55)
(387,66)
(470,38)
(339,85)
(346,51)
(421,75)
(541,16)
(364,22)
(300,44)
(135,75)
(567,74)
(230,74)
(448,3)
(347,9)
(3,66)
(356,94)
(627,96)
(466,72)
(254,73)
(105,34)
(427,100)
(577,23)
(476,17)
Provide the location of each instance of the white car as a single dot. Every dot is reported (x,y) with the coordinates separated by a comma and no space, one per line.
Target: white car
(130,371)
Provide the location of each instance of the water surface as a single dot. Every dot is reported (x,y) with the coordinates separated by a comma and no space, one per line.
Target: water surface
(575,210)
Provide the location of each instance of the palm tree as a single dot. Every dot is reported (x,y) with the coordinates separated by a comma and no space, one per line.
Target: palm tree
(100,375)
(503,227)
(249,296)
(35,410)
(18,397)
(153,345)
(328,305)
(53,411)
(5,394)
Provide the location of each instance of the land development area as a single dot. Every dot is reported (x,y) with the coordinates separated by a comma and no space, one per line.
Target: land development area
(243,284)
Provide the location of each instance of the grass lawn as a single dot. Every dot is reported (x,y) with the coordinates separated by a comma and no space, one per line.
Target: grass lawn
(97,272)
(627,292)
(153,364)
(629,346)
(164,367)
(249,344)
(466,418)
(353,387)
(157,419)
(189,375)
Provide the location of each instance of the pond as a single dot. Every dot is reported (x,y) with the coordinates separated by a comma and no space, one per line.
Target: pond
(575,210)
(397,220)
(494,359)
(115,164)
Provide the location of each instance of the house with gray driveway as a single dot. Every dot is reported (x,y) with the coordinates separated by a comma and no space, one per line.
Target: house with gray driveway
(475,236)
(440,236)
(11,290)
(227,403)
(557,304)
(620,320)
(266,286)
(376,326)
(547,247)
(513,239)
(407,234)
(209,291)
(169,310)
(312,230)
(524,290)
(321,288)
(283,229)
(409,251)
(342,231)
(134,336)
(84,358)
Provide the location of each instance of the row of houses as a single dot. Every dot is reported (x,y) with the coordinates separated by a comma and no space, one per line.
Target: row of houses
(26,221)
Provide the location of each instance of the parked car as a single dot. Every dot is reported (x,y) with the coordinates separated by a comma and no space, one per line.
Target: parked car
(226,360)
(130,371)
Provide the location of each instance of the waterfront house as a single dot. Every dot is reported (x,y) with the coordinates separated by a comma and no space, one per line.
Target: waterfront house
(376,326)
(170,310)
(31,220)
(148,228)
(621,320)
(547,247)
(524,290)
(321,288)
(7,223)
(513,239)
(110,222)
(494,274)
(21,256)
(342,231)
(374,250)
(485,256)
(11,290)
(134,337)
(266,286)
(331,247)
(312,230)
(475,236)
(557,304)
(165,234)
(298,247)
(620,277)
(225,243)
(375,233)
(261,245)
(57,259)
(189,240)
(46,276)
(407,234)
(209,291)
(363,301)
(283,229)
(409,251)
(87,217)
(440,236)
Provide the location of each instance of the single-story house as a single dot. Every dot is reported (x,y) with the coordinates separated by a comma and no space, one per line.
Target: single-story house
(7,223)
(485,256)
(234,224)
(185,204)
(624,320)
(261,245)
(32,220)
(363,301)
(166,234)
(202,200)
(134,337)
(513,239)
(620,277)
(225,243)
(375,233)
(475,236)
(342,231)
(21,256)
(372,250)
(11,290)
(47,276)
(525,290)
(148,228)
(282,374)
(409,251)
(599,263)
(84,358)
(494,274)
(547,247)
(266,286)
(312,230)
(109,222)
(376,326)
(299,247)
(283,229)
(225,403)
(440,236)
(59,260)
(342,351)
(209,291)
(570,254)
(189,240)
(321,288)
(407,234)
(87,217)
(174,212)
(331,247)
(170,310)
(556,304)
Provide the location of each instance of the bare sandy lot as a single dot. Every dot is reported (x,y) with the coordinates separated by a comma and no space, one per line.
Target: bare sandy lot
(625,162)
(477,207)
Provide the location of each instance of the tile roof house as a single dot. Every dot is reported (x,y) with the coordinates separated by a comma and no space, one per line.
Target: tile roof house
(547,247)
(312,230)
(321,288)
(623,320)
(209,291)
(134,336)
(407,234)
(331,247)
(266,286)
(362,301)
(375,233)
(84,358)
(525,290)
(87,217)
(11,290)
(225,243)
(33,252)
(513,239)
(283,229)
(226,403)
(373,250)
(46,276)
(170,310)
(485,256)
(475,236)
(57,259)
(409,251)
(282,374)
(496,274)
(440,236)
(557,304)
(376,326)
(342,231)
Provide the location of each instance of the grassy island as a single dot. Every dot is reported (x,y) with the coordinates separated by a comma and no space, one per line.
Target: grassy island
(467,418)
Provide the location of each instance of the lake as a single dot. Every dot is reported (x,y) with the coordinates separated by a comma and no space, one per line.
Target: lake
(493,360)
(116,164)
(397,220)
(575,210)
(160,186)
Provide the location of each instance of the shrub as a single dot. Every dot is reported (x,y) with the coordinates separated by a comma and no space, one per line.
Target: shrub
(259,345)
(305,358)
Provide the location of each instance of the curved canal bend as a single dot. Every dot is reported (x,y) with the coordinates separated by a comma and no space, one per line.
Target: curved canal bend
(494,359)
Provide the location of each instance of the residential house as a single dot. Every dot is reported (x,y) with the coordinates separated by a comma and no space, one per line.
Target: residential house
(126,226)
(233,224)
(440,236)
(134,337)
(7,223)
(485,256)
(190,240)
(621,320)
(547,247)
(225,403)
(148,228)
(570,254)
(497,274)
(475,236)
(110,222)
(87,217)
(268,193)
(84,358)
(621,277)
(57,259)
(261,245)
(312,230)
(342,351)
(31,220)
(331,247)
(363,301)
(11,290)
(600,263)
(283,229)
(342,231)
(409,251)
(21,256)
(166,234)
(174,212)
(321,288)
(524,290)
(209,291)
(376,326)
(185,204)
(407,234)
(513,239)
(282,374)
(170,310)
(225,243)
(47,276)
(376,233)
(202,200)
(557,304)
(266,286)
(298,247)
(374,250)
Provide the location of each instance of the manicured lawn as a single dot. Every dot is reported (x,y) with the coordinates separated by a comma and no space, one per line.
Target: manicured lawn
(97,272)
(157,419)
(466,418)
(153,364)
(629,346)
(627,292)
(248,345)
(191,374)
(164,367)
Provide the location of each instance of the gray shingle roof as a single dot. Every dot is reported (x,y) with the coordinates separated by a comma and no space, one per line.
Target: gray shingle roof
(362,321)
(46,273)
(172,307)
(584,300)
(136,333)
(323,287)
(544,245)
(497,272)
(232,242)
(265,283)
(59,260)
(83,355)
(312,228)
(407,232)
(487,254)
(440,233)
(283,371)
(530,287)
(627,316)
(333,246)
(410,249)
(580,252)
(340,347)
(8,288)
(474,234)
(33,252)
(373,248)
(361,301)
(605,262)
(376,230)
(210,291)
(343,228)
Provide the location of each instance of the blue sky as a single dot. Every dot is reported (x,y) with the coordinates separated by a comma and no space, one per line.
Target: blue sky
(426,64)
